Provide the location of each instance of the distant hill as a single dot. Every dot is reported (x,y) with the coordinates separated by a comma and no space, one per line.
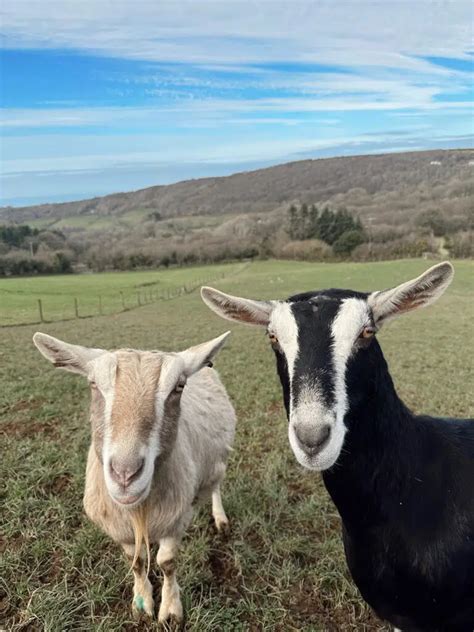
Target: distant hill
(383,188)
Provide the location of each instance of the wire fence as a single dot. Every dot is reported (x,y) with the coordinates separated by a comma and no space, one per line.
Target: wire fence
(122,301)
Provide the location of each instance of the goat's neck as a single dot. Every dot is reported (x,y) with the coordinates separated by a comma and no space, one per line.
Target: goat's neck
(374,460)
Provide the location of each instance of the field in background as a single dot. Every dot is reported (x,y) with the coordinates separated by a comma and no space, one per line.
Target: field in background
(109,292)
(282,569)
(97,222)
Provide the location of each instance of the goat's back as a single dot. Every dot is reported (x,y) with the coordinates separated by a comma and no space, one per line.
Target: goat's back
(206,430)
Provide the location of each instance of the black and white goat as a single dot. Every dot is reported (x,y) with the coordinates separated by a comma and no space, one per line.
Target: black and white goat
(403,484)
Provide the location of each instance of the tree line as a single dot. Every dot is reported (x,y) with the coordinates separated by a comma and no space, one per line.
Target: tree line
(339,229)
(305,232)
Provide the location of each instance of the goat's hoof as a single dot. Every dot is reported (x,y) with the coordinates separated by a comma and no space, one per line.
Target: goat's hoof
(172,623)
(223,527)
(171,616)
(142,606)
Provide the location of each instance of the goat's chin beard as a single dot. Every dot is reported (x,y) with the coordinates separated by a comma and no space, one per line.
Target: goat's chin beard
(139,519)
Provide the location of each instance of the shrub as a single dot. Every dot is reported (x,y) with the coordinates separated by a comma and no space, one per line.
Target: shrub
(346,243)
(308,250)
(461,245)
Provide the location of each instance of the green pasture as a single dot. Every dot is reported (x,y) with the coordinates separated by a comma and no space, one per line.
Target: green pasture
(19,296)
(282,568)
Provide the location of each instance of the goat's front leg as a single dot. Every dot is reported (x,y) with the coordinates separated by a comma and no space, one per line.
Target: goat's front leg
(170,607)
(218,513)
(142,589)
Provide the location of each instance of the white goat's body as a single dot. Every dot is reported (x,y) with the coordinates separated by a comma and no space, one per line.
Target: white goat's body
(162,427)
(193,469)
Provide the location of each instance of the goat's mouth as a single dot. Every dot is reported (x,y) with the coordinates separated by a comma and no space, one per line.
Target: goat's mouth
(130,500)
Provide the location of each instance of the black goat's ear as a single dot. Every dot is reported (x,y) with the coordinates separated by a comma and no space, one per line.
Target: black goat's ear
(242,310)
(419,292)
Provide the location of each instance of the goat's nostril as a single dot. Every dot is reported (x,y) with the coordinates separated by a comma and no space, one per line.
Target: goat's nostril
(313,439)
(126,471)
(323,436)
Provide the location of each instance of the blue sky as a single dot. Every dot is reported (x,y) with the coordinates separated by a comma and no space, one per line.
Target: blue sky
(99,97)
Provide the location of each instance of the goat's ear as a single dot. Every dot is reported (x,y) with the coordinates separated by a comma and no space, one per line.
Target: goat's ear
(197,357)
(63,355)
(242,310)
(419,292)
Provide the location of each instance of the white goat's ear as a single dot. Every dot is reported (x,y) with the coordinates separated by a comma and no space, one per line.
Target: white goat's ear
(195,358)
(419,292)
(242,310)
(63,355)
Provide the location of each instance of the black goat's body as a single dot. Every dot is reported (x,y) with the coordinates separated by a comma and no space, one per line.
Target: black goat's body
(404,487)
(403,484)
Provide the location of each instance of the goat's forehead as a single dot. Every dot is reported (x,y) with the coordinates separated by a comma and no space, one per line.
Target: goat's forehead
(135,365)
(327,314)
(139,366)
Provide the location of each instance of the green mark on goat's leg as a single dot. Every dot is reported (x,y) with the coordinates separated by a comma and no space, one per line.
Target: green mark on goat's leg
(139,603)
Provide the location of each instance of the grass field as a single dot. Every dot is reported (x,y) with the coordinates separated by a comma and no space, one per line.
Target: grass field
(19,296)
(282,567)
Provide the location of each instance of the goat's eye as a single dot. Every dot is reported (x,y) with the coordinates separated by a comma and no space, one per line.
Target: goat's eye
(92,384)
(273,339)
(180,385)
(367,333)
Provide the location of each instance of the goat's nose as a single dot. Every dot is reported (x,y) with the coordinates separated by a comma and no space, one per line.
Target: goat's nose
(312,438)
(125,471)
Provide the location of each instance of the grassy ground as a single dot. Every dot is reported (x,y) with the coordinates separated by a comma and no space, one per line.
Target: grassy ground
(19,296)
(283,567)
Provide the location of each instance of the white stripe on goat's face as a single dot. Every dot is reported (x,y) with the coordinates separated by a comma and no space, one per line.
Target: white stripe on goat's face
(313,339)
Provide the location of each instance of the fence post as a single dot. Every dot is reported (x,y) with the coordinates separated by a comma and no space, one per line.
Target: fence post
(40,307)
(138,298)
(123,300)
(100,305)
(76,308)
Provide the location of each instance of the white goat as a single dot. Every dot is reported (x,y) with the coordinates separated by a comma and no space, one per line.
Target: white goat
(162,428)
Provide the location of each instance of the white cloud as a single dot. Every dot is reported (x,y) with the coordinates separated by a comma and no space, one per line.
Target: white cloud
(352,32)
(87,153)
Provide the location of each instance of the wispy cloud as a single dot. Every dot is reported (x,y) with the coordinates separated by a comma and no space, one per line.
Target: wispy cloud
(352,32)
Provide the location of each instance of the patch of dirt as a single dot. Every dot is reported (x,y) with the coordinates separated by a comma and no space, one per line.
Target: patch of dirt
(23,404)
(58,484)
(275,408)
(308,604)
(53,569)
(14,542)
(255,540)
(22,422)
(23,429)
(299,489)
(224,570)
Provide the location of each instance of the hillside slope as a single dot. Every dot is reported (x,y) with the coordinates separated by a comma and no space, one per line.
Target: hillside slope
(378,185)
